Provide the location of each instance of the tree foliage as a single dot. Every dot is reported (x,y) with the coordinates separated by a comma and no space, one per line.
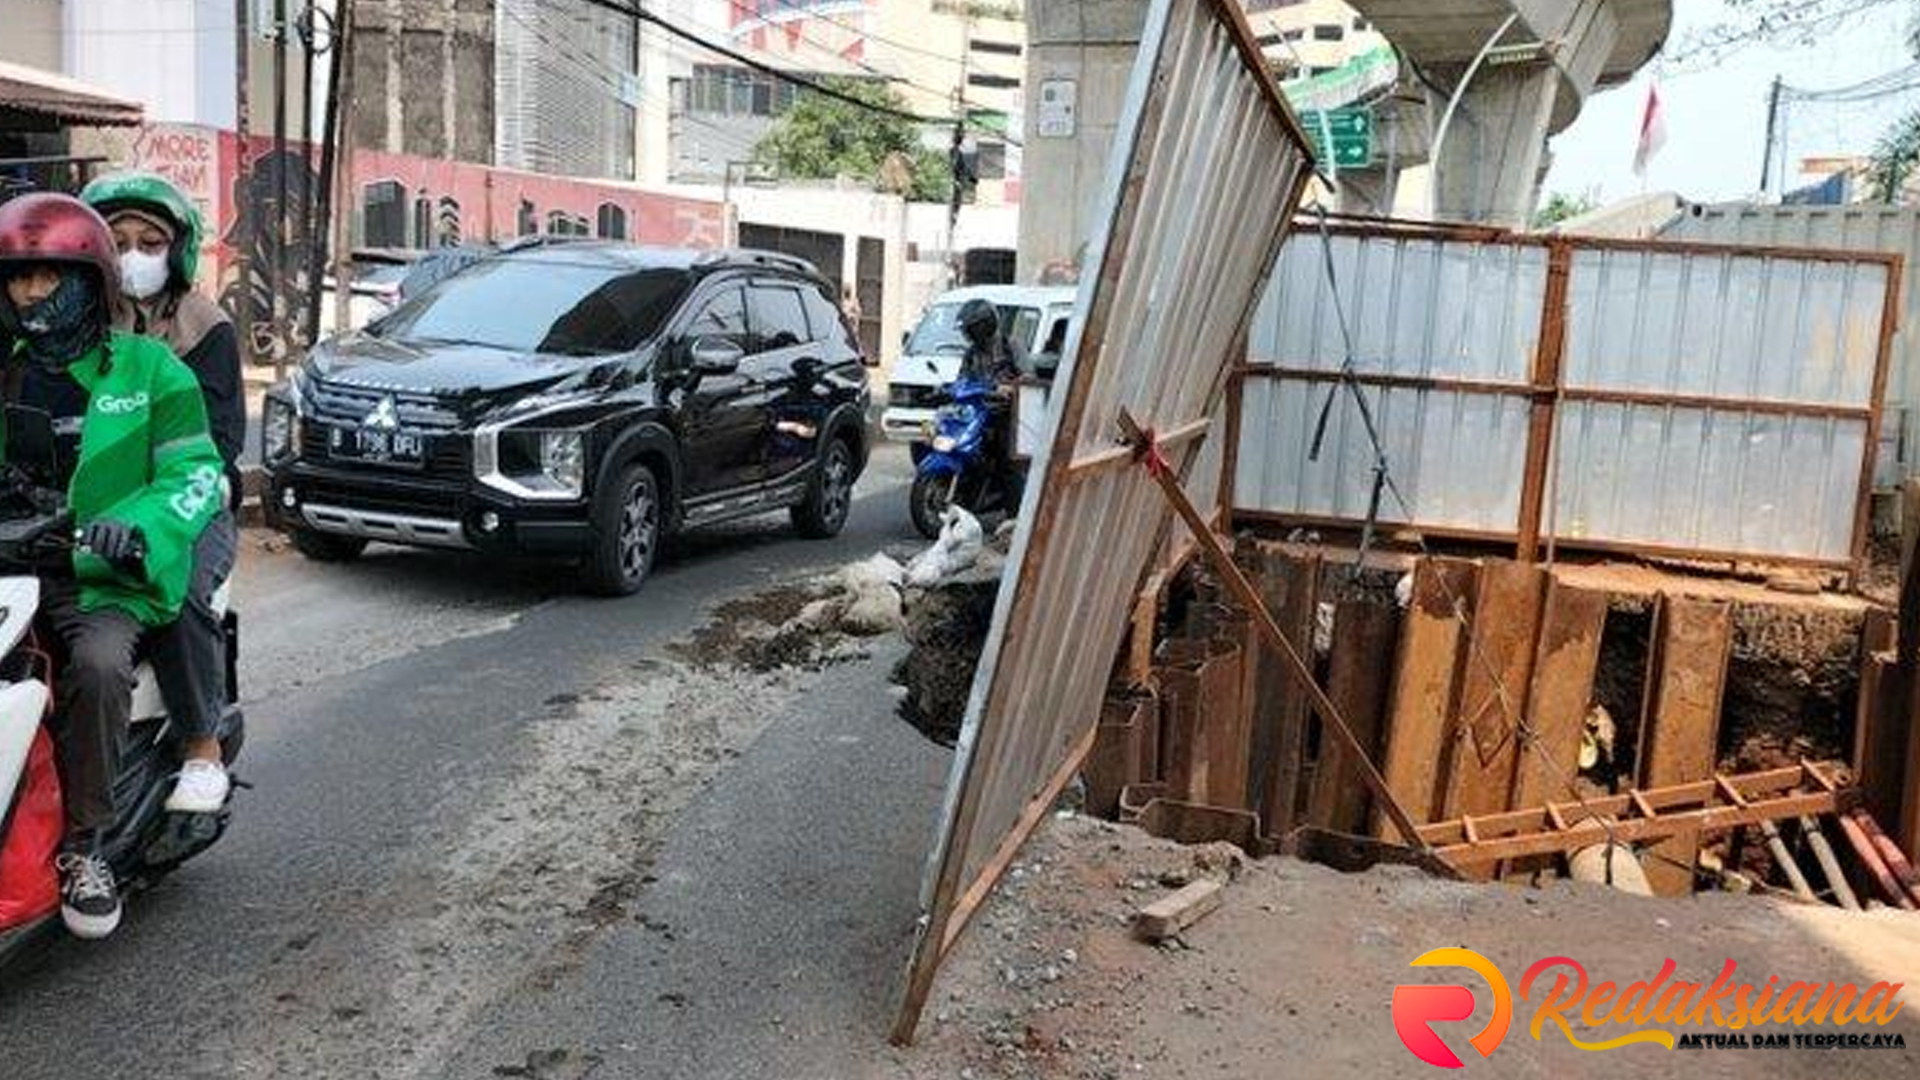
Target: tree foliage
(1771,22)
(1895,158)
(1561,206)
(820,138)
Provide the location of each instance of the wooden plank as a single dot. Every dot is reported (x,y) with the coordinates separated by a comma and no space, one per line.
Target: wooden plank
(1568,655)
(1484,744)
(1363,642)
(1290,590)
(1424,680)
(1680,717)
(1176,911)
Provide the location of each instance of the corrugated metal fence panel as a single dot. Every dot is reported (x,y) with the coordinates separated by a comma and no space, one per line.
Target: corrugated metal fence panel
(1710,400)
(1894,230)
(1757,484)
(1207,168)
(1417,305)
(1719,324)
(1421,305)
(1457,457)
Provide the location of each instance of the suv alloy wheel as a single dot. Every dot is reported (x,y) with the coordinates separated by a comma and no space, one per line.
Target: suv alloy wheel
(829,495)
(626,532)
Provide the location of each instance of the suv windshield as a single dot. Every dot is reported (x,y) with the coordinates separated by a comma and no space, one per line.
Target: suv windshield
(579,308)
(937,332)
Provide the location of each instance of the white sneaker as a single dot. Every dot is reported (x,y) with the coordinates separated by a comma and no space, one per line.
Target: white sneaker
(201,789)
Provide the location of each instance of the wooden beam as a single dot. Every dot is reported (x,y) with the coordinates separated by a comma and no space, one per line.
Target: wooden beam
(1680,718)
(1495,676)
(1432,636)
(1546,386)
(1363,640)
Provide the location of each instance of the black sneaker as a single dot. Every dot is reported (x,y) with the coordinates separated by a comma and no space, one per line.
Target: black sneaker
(89,902)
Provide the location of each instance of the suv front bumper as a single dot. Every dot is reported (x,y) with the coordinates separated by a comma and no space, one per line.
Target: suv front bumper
(396,508)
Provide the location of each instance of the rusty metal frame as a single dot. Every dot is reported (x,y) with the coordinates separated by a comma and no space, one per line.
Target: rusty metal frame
(1548,389)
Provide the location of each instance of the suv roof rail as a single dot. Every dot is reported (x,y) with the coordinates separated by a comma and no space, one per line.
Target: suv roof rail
(758,257)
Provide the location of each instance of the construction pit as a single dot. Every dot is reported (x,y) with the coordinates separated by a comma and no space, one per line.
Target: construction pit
(1713,725)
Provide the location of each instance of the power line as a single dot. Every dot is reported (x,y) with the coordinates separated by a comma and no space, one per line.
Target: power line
(792,5)
(741,6)
(762,66)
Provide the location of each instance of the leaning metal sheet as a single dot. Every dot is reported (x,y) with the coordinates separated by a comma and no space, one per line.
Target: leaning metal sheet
(1207,167)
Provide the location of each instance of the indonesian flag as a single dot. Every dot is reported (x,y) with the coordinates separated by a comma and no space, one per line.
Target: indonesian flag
(1653,131)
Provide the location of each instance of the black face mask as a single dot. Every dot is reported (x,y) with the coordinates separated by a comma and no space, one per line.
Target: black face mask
(58,330)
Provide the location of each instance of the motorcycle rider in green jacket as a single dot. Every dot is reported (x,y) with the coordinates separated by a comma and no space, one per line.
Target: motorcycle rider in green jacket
(146,481)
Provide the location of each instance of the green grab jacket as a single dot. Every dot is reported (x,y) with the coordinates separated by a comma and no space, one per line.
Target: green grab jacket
(146,459)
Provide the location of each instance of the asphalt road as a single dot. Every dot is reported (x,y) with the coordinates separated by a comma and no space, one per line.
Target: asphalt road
(467,853)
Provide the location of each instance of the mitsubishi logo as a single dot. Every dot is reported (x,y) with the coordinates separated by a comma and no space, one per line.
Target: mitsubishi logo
(385,416)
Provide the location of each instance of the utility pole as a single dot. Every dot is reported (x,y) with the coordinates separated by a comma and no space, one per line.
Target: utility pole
(242,124)
(340,132)
(305,26)
(1766,153)
(277,250)
(333,127)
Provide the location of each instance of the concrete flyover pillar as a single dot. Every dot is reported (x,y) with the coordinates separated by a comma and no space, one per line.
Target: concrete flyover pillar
(1080,54)
(1489,169)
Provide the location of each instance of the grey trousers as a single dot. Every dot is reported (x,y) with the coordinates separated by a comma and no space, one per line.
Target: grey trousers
(189,656)
(96,700)
(96,684)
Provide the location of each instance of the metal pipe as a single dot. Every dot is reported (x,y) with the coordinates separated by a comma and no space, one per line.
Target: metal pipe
(1446,118)
(1784,859)
(1889,885)
(1829,865)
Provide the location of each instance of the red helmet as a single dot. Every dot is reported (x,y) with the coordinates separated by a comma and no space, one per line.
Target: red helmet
(45,227)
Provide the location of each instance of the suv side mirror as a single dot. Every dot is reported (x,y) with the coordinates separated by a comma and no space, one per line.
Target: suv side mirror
(713,355)
(1045,365)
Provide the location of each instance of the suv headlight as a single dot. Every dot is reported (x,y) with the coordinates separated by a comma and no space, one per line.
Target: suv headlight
(532,463)
(279,430)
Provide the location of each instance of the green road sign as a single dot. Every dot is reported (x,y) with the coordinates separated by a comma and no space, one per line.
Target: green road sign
(1351,131)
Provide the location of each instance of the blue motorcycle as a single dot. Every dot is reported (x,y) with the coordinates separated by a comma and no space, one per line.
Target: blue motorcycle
(964,462)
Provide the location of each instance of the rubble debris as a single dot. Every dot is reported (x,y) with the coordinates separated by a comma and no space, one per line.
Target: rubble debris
(958,548)
(1169,915)
(1609,864)
(873,604)
(946,629)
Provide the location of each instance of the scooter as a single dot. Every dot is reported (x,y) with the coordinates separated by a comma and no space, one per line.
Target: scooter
(36,536)
(964,461)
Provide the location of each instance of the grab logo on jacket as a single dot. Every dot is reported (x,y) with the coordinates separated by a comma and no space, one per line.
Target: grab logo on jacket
(121,406)
(202,487)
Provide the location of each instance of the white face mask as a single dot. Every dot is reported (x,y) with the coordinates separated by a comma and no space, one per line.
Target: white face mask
(142,275)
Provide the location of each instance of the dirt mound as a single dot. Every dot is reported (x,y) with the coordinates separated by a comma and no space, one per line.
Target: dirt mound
(947,629)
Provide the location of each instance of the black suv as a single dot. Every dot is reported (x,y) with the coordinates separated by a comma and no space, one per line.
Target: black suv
(575,399)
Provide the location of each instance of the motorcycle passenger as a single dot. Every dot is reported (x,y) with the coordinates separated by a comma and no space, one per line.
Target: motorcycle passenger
(142,488)
(158,233)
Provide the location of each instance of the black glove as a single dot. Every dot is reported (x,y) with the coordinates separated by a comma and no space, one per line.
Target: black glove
(121,545)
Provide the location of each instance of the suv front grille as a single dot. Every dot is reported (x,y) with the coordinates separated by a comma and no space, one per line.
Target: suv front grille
(345,403)
(449,452)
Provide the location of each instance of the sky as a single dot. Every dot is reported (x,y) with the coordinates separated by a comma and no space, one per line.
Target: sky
(1716,118)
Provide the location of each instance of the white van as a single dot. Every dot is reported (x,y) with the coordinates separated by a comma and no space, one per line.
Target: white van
(1034,318)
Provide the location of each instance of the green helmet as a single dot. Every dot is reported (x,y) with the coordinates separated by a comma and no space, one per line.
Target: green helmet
(153,194)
